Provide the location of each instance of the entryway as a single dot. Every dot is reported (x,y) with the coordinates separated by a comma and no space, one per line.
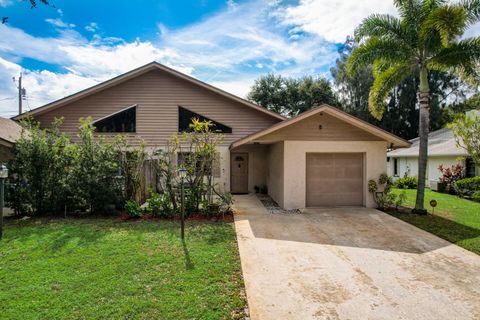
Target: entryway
(239,173)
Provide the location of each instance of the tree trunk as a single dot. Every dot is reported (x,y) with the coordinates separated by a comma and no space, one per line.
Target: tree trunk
(424,115)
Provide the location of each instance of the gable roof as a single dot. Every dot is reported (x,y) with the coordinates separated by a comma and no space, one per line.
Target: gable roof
(133,74)
(10,131)
(440,143)
(396,141)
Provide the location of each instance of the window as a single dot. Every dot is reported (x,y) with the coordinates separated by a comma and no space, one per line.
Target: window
(469,168)
(395,167)
(185,117)
(121,121)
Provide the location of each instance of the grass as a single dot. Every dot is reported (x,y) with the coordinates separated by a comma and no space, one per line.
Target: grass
(455,219)
(107,269)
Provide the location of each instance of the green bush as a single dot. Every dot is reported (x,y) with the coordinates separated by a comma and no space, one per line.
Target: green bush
(160,205)
(407,183)
(466,187)
(133,209)
(476,196)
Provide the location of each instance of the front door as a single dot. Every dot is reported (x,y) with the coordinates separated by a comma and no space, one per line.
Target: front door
(239,173)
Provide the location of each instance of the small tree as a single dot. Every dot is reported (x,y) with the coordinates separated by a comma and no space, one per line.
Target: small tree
(466,129)
(95,178)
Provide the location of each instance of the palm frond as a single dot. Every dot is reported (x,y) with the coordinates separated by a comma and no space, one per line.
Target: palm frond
(449,21)
(388,50)
(381,25)
(457,54)
(383,84)
(472,7)
(410,11)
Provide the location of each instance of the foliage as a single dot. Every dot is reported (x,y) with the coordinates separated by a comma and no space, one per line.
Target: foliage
(291,96)
(200,159)
(406,183)
(94,268)
(476,196)
(401,198)
(39,172)
(466,129)
(33,4)
(425,37)
(133,209)
(160,204)
(450,175)
(132,160)
(466,187)
(384,198)
(95,176)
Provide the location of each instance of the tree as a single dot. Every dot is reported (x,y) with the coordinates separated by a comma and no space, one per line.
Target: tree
(466,129)
(33,4)
(291,96)
(425,38)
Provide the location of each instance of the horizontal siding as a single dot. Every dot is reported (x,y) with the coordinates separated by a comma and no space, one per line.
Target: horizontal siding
(332,129)
(157,95)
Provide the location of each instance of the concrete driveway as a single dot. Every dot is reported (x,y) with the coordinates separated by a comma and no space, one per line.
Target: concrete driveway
(351,263)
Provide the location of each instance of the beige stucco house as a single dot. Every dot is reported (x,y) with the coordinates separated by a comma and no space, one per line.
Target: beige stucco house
(323,157)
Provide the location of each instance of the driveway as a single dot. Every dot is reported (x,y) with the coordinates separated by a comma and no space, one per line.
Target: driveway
(351,263)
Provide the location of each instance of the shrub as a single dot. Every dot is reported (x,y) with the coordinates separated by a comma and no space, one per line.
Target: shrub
(466,187)
(450,175)
(133,209)
(160,205)
(385,198)
(476,196)
(407,183)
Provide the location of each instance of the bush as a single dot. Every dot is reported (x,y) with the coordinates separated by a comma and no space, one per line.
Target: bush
(476,196)
(467,187)
(160,205)
(450,175)
(133,209)
(407,183)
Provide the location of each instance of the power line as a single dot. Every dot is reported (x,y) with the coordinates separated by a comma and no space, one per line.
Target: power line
(10,98)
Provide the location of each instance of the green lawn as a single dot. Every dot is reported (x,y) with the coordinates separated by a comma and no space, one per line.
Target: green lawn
(455,219)
(107,269)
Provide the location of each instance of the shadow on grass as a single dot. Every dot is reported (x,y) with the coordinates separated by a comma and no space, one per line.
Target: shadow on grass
(188,262)
(444,228)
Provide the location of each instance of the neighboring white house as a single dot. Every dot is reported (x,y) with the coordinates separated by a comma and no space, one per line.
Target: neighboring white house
(442,149)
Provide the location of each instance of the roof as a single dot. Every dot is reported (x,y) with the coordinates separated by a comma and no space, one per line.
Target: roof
(395,141)
(440,143)
(135,73)
(10,131)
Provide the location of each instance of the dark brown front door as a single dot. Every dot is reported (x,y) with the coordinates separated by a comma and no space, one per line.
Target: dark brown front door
(239,173)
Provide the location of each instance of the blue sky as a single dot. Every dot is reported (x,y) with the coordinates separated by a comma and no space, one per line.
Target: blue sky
(227,43)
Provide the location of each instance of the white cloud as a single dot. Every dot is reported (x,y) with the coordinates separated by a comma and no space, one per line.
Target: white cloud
(5,3)
(332,20)
(91,27)
(60,23)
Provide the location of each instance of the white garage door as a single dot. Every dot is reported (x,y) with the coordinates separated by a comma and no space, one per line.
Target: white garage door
(334,179)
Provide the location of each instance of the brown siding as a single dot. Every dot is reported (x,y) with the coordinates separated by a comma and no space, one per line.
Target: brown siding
(158,95)
(332,129)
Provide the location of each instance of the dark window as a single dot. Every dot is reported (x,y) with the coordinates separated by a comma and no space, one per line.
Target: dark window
(395,166)
(185,117)
(469,168)
(123,121)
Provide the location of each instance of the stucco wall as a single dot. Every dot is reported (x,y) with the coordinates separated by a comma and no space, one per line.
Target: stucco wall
(275,178)
(295,166)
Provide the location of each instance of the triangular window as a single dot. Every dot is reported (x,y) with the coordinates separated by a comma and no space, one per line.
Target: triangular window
(185,117)
(121,121)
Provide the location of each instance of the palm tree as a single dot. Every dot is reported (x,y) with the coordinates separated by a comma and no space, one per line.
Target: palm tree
(426,37)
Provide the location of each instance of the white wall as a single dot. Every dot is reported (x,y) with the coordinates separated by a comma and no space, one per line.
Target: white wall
(295,166)
(408,166)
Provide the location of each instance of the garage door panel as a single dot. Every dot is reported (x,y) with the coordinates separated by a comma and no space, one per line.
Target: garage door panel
(334,179)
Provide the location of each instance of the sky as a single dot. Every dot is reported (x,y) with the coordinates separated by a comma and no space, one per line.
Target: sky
(72,45)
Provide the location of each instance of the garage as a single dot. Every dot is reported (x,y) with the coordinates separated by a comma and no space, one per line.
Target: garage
(334,179)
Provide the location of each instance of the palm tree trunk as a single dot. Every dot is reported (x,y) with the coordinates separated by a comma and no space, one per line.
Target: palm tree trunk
(424,115)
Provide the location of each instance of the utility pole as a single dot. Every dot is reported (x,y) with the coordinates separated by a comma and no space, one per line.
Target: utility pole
(21,93)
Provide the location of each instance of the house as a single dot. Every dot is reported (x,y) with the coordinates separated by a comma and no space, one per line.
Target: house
(323,157)
(10,132)
(442,150)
